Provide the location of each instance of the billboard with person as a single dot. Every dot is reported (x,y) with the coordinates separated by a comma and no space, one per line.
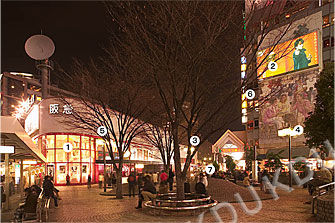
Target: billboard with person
(292,98)
(292,55)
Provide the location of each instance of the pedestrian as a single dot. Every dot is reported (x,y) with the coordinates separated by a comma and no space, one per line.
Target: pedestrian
(163,176)
(101,178)
(131,184)
(170,179)
(68,179)
(155,178)
(163,188)
(140,186)
(49,189)
(89,179)
(149,190)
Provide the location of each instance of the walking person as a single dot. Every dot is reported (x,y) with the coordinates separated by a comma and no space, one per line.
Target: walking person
(89,179)
(68,179)
(101,178)
(131,184)
(140,186)
(170,180)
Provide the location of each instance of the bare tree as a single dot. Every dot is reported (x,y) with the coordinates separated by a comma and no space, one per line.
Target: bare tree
(189,50)
(107,95)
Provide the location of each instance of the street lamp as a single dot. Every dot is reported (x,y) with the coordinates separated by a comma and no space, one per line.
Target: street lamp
(297,130)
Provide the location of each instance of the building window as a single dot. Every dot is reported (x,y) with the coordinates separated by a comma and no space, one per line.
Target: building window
(325,21)
(326,43)
(256,124)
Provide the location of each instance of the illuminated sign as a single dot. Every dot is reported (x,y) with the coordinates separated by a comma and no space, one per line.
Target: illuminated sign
(292,55)
(6,149)
(54,109)
(32,121)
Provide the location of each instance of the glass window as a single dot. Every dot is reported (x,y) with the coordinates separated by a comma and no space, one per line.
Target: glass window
(50,142)
(326,20)
(92,156)
(85,155)
(85,142)
(75,141)
(50,155)
(74,173)
(60,140)
(93,141)
(85,171)
(326,43)
(61,173)
(145,154)
(61,155)
(74,155)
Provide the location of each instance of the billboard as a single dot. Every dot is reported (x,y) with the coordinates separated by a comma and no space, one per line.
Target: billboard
(292,98)
(291,55)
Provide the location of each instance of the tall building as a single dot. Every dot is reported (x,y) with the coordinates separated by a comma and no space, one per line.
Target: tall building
(299,40)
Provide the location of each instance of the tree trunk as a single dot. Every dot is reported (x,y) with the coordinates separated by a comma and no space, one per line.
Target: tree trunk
(179,178)
(119,182)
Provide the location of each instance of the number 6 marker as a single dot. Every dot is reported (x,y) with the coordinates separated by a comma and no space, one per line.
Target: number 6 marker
(250,94)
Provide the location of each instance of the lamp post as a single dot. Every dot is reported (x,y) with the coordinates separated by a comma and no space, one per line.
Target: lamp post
(297,130)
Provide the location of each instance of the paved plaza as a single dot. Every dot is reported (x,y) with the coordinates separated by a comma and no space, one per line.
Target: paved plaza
(80,204)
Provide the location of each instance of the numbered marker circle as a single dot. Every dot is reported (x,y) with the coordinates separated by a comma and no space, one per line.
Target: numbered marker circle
(102,131)
(250,94)
(210,169)
(272,66)
(298,129)
(195,140)
(67,147)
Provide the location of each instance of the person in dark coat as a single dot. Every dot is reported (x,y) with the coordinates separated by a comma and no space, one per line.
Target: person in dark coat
(89,179)
(148,191)
(170,180)
(30,204)
(140,186)
(68,179)
(49,189)
(200,188)
(131,184)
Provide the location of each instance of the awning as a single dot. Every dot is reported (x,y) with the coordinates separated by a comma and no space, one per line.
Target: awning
(13,134)
(295,152)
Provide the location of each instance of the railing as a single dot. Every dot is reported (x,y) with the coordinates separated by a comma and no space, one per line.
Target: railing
(326,186)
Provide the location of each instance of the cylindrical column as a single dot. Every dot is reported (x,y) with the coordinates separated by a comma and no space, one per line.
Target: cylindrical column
(7,181)
(21,177)
(104,168)
(289,161)
(29,175)
(4,89)
(45,74)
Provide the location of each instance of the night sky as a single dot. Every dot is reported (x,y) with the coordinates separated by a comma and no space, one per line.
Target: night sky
(78,29)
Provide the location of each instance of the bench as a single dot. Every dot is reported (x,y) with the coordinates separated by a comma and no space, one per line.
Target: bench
(42,210)
(181,205)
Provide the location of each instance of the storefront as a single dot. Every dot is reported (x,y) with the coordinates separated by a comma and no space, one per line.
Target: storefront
(45,124)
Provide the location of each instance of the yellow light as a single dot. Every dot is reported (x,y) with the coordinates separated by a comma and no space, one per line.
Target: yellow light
(205,158)
(12,106)
(139,166)
(285,132)
(12,86)
(243,67)
(244,104)
(39,98)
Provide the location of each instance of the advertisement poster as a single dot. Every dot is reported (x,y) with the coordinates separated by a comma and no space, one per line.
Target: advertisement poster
(292,99)
(291,55)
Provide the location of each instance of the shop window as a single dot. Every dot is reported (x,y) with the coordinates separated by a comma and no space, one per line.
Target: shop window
(85,171)
(61,155)
(92,156)
(74,172)
(74,155)
(326,43)
(85,142)
(140,154)
(50,155)
(256,123)
(92,143)
(50,142)
(145,154)
(61,173)
(75,141)
(85,155)
(325,21)
(250,125)
(60,140)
